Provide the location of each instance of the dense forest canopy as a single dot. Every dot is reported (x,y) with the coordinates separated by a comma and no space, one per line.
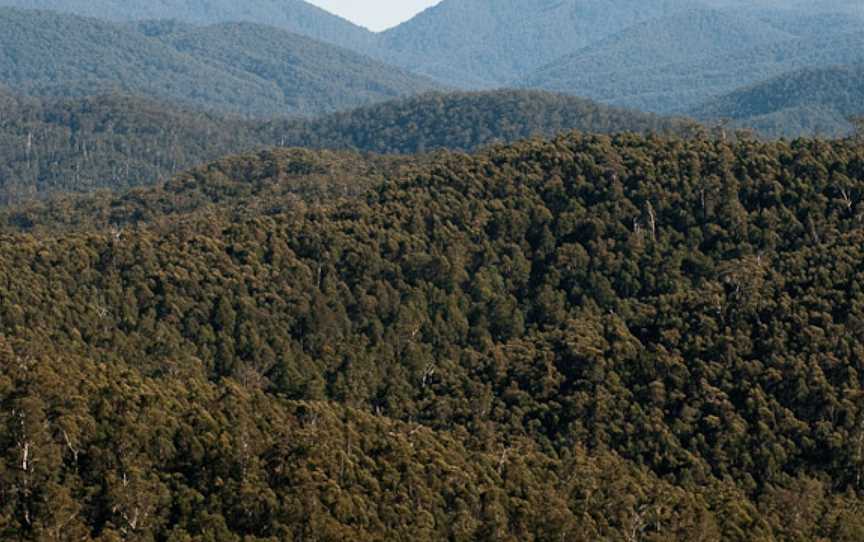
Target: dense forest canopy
(49,146)
(590,337)
(264,279)
(467,121)
(811,101)
(114,141)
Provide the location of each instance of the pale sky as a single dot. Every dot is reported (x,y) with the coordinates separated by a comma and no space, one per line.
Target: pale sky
(375,14)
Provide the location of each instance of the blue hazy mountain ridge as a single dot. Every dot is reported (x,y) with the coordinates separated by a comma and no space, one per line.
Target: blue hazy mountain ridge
(238,67)
(295,16)
(494,43)
(634,69)
(807,101)
(805,7)
(486,43)
(468,43)
(818,25)
(705,32)
(663,56)
(311,76)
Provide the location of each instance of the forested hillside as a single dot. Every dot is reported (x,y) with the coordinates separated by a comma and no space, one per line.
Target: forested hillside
(294,16)
(664,56)
(660,72)
(692,37)
(84,144)
(810,101)
(467,121)
(587,338)
(490,43)
(115,141)
(686,36)
(800,7)
(240,67)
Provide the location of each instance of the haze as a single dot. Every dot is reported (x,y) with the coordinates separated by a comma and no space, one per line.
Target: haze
(375,15)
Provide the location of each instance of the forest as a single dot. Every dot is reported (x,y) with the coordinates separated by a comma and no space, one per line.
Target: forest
(508,271)
(585,337)
(235,67)
(54,146)
(817,102)
(786,69)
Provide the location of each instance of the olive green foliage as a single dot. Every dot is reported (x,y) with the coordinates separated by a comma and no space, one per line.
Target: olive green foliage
(586,338)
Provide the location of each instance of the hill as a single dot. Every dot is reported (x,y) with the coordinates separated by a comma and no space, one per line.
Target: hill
(678,86)
(225,67)
(803,7)
(571,339)
(802,102)
(686,36)
(53,145)
(467,121)
(489,43)
(294,16)
(311,77)
(815,25)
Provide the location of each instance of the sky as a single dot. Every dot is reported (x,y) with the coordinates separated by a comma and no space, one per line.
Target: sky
(375,14)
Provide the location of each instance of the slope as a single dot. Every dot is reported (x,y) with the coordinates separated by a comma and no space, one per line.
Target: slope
(223,67)
(804,7)
(686,36)
(691,37)
(309,75)
(294,16)
(567,339)
(678,86)
(838,87)
(466,121)
(82,144)
(831,95)
(488,43)
(116,141)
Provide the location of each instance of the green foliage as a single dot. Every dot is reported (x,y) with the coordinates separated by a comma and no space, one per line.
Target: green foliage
(467,121)
(588,338)
(116,142)
(805,102)
(652,68)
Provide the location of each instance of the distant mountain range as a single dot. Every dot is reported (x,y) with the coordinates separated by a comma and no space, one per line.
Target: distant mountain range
(675,63)
(295,16)
(810,101)
(238,67)
(494,42)
(268,58)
